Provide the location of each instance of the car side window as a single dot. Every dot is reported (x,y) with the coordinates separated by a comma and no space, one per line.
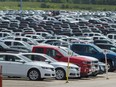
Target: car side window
(17,38)
(28,36)
(35,57)
(4,35)
(12,58)
(34,37)
(51,52)
(2,58)
(8,43)
(39,58)
(90,49)
(25,40)
(115,37)
(0,34)
(110,36)
(78,48)
(1,47)
(17,44)
(39,50)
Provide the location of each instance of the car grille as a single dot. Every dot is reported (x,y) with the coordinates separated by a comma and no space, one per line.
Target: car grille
(77,69)
(52,69)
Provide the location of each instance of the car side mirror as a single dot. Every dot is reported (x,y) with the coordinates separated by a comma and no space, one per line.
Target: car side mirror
(21,61)
(58,55)
(48,61)
(94,52)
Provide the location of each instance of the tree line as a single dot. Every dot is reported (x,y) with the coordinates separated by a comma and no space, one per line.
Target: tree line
(100,2)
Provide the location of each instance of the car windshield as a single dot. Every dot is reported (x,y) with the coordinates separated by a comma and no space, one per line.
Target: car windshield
(67,50)
(63,52)
(113,48)
(4,45)
(50,58)
(25,58)
(99,49)
(27,45)
(85,38)
(33,41)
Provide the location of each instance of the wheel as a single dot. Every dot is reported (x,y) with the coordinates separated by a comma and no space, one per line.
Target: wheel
(34,74)
(95,74)
(60,74)
(109,65)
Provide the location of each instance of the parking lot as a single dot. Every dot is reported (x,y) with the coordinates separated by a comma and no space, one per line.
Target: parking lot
(37,45)
(99,81)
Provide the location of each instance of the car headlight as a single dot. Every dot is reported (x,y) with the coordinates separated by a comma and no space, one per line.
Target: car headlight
(86,62)
(45,68)
(71,67)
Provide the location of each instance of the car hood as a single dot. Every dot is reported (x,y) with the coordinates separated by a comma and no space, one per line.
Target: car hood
(82,58)
(111,54)
(63,64)
(41,64)
(91,58)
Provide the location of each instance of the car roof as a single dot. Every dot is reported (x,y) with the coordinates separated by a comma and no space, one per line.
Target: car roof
(46,46)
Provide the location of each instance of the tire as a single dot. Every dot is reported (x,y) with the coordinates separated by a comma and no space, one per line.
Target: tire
(110,69)
(109,65)
(95,74)
(60,74)
(34,75)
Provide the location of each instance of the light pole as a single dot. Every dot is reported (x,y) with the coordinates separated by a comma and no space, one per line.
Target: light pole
(106,62)
(20,7)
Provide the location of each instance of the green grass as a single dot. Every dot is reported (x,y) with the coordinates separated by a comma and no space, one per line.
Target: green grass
(54,6)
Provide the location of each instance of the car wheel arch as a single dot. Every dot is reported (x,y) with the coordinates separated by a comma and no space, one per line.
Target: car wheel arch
(64,77)
(109,61)
(33,69)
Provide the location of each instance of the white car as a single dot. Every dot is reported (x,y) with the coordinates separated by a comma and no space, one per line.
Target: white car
(60,67)
(34,36)
(43,34)
(22,38)
(17,65)
(18,44)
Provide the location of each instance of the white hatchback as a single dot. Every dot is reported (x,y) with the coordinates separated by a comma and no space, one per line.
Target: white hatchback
(17,65)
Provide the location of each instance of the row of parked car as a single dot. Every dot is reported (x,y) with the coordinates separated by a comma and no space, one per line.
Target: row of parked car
(38,46)
(67,23)
(38,66)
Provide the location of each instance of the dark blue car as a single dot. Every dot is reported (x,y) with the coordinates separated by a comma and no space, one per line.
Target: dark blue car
(94,51)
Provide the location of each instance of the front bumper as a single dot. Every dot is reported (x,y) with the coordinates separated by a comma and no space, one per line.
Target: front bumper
(94,70)
(48,73)
(74,72)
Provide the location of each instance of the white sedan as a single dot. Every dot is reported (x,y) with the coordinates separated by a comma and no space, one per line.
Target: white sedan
(60,67)
(17,65)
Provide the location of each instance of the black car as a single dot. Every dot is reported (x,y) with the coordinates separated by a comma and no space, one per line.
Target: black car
(103,41)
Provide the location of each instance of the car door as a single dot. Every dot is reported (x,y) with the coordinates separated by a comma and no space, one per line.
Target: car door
(14,67)
(86,50)
(18,45)
(91,51)
(56,55)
